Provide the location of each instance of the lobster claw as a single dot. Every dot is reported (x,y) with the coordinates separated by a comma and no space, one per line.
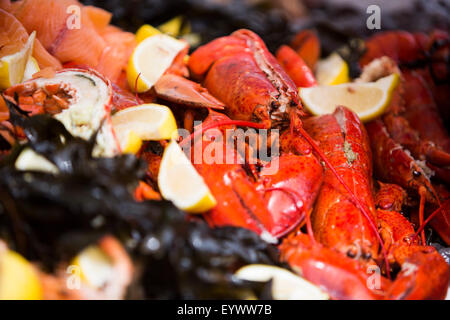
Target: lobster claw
(307,45)
(239,204)
(291,190)
(295,67)
(424,275)
(273,202)
(182,91)
(322,266)
(275,205)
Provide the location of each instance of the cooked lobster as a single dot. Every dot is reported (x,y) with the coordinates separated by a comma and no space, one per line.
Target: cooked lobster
(338,226)
(241,72)
(410,142)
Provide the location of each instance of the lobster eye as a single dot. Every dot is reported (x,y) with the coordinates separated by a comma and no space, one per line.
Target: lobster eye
(416,173)
(352,252)
(367,255)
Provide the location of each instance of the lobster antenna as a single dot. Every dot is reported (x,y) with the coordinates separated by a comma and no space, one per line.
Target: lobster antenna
(356,201)
(136,96)
(115,138)
(309,228)
(441,207)
(422,193)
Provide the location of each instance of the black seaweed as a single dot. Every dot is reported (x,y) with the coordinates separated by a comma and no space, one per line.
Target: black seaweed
(49,218)
(352,52)
(443,251)
(4,144)
(211,19)
(336,21)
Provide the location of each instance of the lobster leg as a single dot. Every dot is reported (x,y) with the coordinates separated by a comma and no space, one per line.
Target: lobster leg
(438,216)
(422,112)
(395,165)
(402,133)
(424,273)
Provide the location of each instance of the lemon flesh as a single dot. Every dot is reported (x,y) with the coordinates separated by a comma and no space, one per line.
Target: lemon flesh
(146,31)
(172,27)
(31,68)
(180,183)
(150,59)
(147,122)
(96,268)
(18,278)
(132,143)
(12,67)
(367,100)
(28,160)
(285,284)
(332,71)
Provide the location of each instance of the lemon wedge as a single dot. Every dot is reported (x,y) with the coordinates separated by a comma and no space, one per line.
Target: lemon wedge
(368,100)
(130,142)
(146,122)
(18,278)
(285,284)
(180,183)
(150,59)
(146,31)
(332,70)
(12,67)
(96,268)
(30,69)
(28,160)
(172,27)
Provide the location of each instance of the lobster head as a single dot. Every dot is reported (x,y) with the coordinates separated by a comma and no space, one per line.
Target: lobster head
(240,71)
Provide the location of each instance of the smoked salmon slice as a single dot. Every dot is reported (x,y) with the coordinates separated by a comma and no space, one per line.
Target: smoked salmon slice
(65,31)
(95,43)
(13,37)
(119,47)
(99,17)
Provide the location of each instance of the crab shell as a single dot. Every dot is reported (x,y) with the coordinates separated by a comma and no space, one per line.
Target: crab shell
(89,106)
